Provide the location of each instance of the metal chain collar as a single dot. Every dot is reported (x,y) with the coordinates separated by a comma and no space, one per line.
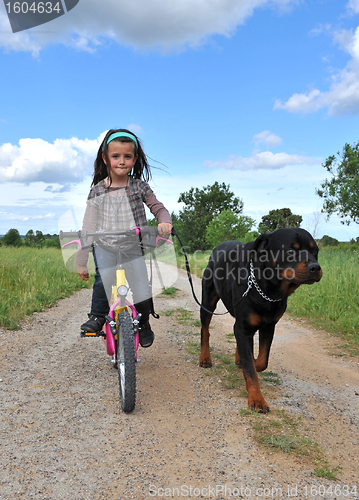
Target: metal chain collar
(252,282)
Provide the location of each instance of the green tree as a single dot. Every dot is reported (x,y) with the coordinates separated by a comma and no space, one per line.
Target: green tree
(228,226)
(29,238)
(340,193)
(201,206)
(12,238)
(279,219)
(34,239)
(328,241)
(39,238)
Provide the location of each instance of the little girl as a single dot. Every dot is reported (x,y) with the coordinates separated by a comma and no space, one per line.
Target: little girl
(115,203)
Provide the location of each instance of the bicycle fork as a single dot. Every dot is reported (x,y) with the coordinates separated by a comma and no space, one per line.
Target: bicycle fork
(118,304)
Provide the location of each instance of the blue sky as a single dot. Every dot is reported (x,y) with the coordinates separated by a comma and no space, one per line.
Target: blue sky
(253,93)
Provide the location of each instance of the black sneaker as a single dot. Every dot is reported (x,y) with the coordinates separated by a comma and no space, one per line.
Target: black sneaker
(93,324)
(146,335)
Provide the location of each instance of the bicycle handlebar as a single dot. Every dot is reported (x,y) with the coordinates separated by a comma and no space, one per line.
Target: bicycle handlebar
(148,236)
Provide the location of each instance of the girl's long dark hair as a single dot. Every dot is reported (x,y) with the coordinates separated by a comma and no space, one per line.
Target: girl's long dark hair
(140,169)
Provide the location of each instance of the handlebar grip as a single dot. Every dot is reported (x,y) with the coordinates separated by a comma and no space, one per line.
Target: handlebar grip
(70,234)
(152,230)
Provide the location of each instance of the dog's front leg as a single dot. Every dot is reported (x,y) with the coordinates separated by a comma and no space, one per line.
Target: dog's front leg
(205,359)
(256,400)
(265,341)
(209,301)
(236,356)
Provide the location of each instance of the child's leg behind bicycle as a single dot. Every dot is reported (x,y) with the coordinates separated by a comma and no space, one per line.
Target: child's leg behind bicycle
(100,301)
(136,274)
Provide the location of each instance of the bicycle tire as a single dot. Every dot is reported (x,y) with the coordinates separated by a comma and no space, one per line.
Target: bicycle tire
(126,362)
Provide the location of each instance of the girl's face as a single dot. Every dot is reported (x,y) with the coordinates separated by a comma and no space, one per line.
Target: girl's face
(122,159)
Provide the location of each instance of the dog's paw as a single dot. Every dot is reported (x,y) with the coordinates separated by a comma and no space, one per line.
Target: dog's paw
(258,405)
(205,362)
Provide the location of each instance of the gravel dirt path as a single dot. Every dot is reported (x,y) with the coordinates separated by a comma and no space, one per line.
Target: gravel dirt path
(64,437)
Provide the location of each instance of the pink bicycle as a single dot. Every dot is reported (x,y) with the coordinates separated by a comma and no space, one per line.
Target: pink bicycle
(120,331)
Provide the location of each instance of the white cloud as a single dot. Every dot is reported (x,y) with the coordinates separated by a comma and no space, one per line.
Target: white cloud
(62,162)
(353,5)
(266,137)
(145,24)
(265,160)
(302,103)
(342,98)
(40,217)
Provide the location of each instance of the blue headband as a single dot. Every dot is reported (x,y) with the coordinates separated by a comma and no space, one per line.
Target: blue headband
(122,134)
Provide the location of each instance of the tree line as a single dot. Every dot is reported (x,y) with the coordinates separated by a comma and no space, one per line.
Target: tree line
(32,239)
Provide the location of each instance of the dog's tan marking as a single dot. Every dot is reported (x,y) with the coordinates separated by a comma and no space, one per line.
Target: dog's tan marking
(254,319)
(205,360)
(236,358)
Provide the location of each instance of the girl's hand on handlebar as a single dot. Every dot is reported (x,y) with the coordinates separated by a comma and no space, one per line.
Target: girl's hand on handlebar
(83,272)
(164,228)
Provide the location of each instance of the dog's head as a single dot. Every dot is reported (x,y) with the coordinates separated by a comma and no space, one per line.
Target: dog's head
(289,256)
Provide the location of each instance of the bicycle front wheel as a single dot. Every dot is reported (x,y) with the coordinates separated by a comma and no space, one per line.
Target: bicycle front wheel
(126,362)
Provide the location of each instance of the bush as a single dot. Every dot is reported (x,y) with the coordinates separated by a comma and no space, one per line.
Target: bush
(328,241)
(12,238)
(53,242)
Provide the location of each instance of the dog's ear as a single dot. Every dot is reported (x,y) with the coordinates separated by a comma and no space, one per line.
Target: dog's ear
(261,243)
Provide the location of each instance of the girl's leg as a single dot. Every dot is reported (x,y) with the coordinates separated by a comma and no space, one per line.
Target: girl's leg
(106,264)
(136,273)
(99,304)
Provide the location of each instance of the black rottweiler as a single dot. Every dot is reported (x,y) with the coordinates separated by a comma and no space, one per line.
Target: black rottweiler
(254,281)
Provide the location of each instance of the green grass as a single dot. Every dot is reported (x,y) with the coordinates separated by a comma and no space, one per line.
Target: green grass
(282,432)
(197,262)
(327,472)
(32,279)
(193,348)
(170,291)
(182,316)
(270,377)
(226,372)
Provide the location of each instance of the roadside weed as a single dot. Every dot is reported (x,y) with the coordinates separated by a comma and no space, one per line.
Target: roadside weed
(327,472)
(171,291)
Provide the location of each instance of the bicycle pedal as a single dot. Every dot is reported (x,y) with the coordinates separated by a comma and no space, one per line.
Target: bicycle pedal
(91,334)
